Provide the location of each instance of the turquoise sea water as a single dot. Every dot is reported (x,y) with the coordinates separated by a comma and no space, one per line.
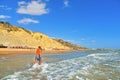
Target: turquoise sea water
(77,65)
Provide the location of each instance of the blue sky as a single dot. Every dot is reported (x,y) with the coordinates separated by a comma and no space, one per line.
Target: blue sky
(89,23)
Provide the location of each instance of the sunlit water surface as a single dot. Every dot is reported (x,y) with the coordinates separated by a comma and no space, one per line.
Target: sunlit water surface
(77,65)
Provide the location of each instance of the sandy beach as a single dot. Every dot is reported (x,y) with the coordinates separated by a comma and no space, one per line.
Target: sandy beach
(16,50)
(3,51)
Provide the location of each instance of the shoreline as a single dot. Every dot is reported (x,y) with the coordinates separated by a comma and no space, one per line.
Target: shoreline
(8,51)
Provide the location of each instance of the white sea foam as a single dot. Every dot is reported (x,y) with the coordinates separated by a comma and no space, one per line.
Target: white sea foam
(3,58)
(77,69)
(104,56)
(65,69)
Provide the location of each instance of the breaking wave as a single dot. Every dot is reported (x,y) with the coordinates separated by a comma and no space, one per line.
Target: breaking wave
(97,66)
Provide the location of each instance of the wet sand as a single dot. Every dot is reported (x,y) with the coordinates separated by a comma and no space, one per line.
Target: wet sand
(19,59)
(13,62)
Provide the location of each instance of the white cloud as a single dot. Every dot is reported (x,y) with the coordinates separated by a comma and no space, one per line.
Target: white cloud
(32,8)
(21,3)
(66,3)
(93,41)
(83,39)
(4,16)
(27,21)
(5,7)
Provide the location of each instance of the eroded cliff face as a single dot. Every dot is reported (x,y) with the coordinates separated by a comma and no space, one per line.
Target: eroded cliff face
(14,36)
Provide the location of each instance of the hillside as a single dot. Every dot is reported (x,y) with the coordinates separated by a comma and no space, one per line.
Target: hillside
(14,36)
(72,46)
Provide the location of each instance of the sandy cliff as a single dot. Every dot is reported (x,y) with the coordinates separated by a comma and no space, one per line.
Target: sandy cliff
(14,36)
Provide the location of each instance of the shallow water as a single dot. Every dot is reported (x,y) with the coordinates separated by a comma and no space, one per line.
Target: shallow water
(14,62)
(78,65)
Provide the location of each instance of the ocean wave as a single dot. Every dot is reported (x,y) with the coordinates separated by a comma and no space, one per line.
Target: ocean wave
(60,70)
(91,67)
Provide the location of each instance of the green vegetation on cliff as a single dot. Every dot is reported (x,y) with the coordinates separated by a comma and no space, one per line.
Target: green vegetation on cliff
(9,27)
(72,46)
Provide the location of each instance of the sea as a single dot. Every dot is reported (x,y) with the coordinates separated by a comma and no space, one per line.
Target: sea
(93,64)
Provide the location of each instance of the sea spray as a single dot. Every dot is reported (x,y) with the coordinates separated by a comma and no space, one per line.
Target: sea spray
(64,69)
(94,66)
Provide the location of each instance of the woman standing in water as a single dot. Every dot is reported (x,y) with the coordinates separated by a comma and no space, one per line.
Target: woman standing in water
(38,55)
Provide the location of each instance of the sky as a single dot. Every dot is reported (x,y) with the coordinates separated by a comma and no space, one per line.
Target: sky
(88,23)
